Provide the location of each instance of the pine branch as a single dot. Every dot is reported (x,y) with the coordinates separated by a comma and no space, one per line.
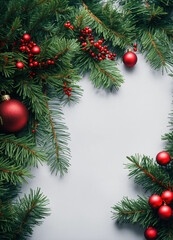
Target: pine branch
(29,212)
(53,137)
(135,212)
(21,149)
(148,174)
(13,173)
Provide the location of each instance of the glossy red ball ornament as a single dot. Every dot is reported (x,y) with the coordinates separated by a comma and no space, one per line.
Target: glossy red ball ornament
(150,233)
(130,59)
(35,50)
(167,196)
(13,115)
(20,65)
(163,158)
(165,212)
(155,201)
(26,37)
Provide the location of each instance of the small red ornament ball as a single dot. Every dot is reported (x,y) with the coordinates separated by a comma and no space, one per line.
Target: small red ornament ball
(165,212)
(155,201)
(130,59)
(167,196)
(13,115)
(150,233)
(35,50)
(26,37)
(20,65)
(163,158)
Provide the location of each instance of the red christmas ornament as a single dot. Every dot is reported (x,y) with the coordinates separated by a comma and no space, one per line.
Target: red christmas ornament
(19,65)
(155,201)
(26,37)
(13,115)
(167,196)
(163,158)
(35,50)
(150,233)
(130,58)
(165,212)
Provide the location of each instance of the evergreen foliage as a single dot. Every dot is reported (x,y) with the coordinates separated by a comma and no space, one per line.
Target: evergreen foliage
(121,23)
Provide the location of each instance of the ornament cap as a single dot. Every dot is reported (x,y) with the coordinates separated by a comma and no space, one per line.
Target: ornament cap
(5,97)
(129,50)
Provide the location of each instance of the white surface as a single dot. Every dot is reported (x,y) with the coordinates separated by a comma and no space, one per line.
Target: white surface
(105,128)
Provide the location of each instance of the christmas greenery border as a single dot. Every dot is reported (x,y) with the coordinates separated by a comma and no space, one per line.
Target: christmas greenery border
(45,47)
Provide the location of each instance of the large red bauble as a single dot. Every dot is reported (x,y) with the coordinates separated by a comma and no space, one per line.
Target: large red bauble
(163,158)
(167,196)
(35,50)
(165,212)
(155,201)
(13,115)
(130,59)
(26,37)
(150,233)
(19,65)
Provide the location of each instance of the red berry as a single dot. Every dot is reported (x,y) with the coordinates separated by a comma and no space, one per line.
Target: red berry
(31,64)
(31,60)
(65,89)
(112,58)
(52,62)
(135,45)
(35,63)
(66,93)
(86,28)
(89,30)
(69,94)
(19,65)
(70,89)
(96,44)
(135,49)
(30,45)
(56,57)
(30,55)
(86,31)
(33,130)
(100,42)
(100,46)
(26,37)
(35,50)
(65,24)
(84,44)
(91,41)
(93,54)
(68,21)
(107,52)
(90,51)
(49,61)
(92,38)
(100,58)
(39,64)
(81,37)
(114,55)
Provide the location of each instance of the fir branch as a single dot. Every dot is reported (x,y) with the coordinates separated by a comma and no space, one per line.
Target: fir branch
(52,135)
(13,173)
(29,212)
(149,174)
(22,150)
(135,212)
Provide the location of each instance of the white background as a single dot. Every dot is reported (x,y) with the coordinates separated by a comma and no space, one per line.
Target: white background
(105,128)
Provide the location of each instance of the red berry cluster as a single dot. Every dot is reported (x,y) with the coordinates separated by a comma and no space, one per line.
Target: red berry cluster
(67,90)
(164,211)
(32,49)
(96,50)
(68,25)
(135,47)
